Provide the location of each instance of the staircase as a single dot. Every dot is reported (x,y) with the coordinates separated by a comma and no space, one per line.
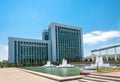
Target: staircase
(99,78)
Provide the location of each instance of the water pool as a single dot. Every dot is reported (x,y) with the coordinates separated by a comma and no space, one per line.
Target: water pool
(64,72)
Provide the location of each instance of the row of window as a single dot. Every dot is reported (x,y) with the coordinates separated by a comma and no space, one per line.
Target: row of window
(60,28)
(29,43)
(28,52)
(67,41)
(45,36)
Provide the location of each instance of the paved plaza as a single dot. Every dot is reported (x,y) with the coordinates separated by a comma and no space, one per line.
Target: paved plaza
(17,75)
(117,73)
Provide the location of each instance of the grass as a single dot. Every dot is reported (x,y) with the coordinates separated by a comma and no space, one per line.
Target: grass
(108,69)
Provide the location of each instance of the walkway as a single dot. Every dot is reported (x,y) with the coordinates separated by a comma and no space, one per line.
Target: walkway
(117,73)
(17,75)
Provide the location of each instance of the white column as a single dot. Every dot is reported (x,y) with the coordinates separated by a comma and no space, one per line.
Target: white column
(115,54)
(100,52)
(92,57)
(106,55)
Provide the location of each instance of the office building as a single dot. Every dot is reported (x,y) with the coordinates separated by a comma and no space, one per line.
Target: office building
(23,50)
(66,42)
(59,41)
(45,35)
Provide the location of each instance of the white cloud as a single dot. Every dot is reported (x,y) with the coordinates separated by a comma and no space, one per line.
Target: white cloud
(96,32)
(99,36)
(3,52)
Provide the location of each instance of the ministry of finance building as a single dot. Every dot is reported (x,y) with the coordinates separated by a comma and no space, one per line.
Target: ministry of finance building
(59,41)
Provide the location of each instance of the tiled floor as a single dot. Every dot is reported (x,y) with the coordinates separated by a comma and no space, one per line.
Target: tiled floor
(117,73)
(16,75)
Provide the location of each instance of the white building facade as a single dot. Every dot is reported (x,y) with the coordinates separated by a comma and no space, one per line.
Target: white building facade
(22,50)
(59,42)
(66,42)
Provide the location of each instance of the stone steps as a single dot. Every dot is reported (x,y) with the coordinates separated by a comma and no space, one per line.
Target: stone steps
(99,78)
(85,80)
(104,77)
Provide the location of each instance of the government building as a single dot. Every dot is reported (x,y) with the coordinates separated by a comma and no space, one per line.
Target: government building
(23,50)
(59,41)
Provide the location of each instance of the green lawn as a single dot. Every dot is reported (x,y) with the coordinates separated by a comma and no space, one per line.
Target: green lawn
(108,69)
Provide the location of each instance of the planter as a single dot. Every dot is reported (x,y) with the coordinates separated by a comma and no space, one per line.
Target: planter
(84,73)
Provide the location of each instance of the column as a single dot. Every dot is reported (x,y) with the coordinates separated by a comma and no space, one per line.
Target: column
(115,54)
(100,52)
(92,57)
(106,54)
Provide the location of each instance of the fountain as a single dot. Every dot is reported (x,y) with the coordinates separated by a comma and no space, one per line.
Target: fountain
(48,64)
(98,64)
(64,64)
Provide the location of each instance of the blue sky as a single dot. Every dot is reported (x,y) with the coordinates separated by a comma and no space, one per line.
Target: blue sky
(99,19)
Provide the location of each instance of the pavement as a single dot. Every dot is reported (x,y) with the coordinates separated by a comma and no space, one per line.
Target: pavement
(17,75)
(116,73)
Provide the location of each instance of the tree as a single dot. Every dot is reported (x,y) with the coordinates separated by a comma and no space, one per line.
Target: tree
(27,63)
(86,60)
(90,59)
(43,62)
(1,65)
(118,58)
(4,63)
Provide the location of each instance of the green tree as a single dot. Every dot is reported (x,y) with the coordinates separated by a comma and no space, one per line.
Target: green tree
(28,64)
(43,62)
(1,65)
(4,63)
(86,60)
(90,59)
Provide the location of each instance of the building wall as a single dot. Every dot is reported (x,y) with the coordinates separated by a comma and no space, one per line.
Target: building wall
(11,56)
(27,50)
(52,39)
(59,41)
(45,35)
(66,42)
